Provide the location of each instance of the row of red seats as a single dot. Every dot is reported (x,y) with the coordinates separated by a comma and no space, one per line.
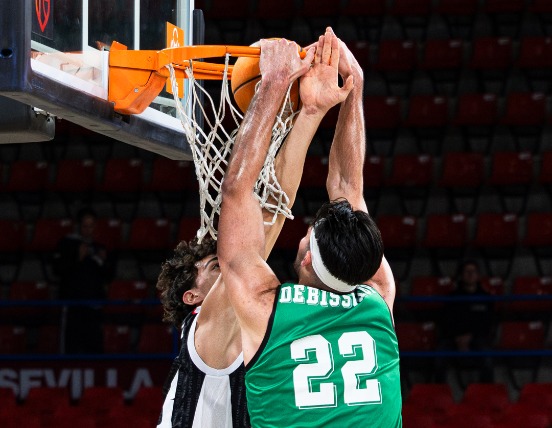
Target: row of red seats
(443,230)
(458,169)
(448,231)
(439,286)
(97,407)
(117,338)
(287,9)
(463,169)
(511,335)
(483,53)
(473,109)
(481,406)
(144,234)
(118,175)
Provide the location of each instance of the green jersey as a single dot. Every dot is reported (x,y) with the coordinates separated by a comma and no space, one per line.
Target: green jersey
(327,360)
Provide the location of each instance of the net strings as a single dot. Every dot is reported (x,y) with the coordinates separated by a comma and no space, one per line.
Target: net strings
(212,145)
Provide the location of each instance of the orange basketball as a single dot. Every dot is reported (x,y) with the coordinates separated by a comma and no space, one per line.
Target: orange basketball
(245,75)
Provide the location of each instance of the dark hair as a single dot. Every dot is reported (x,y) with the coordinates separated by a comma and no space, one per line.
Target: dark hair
(84,212)
(178,275)
(350,242)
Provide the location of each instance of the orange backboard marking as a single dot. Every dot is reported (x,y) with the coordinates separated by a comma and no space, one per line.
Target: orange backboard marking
(175,39)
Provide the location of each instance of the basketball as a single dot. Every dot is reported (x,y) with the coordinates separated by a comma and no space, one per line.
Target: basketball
(245,75)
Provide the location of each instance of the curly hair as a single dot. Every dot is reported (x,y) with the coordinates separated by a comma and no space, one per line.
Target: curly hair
(178,275)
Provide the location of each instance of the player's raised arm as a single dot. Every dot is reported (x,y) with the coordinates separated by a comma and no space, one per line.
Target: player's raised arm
(241,238)
(346,162)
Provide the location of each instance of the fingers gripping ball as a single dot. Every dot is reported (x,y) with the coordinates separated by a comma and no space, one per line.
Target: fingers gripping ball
(245,75)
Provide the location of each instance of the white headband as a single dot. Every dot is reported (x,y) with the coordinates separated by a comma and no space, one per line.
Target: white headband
(322,271)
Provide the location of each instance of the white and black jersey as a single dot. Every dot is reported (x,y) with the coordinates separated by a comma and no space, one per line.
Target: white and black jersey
(199,396)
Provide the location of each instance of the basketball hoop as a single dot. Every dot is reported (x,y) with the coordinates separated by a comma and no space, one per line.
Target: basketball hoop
(212,146)
(137,77)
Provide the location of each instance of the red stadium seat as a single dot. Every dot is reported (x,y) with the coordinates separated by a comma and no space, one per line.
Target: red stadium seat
(396,56)
(355,8)
(446,231)
(429,286)
(122,175)
(496,230)
(442,54)
(117,339)
(476,110)
(12,243)
(427,111)
(521,335)
(75,175)
(512,174)
(462,175)
(315,172)
(539,230)
(156,339)
(45,401)
(411,7)
(8,400)
(400,237)
(487,398)
(504,6)
(48,341)
(99,401)
(172,176)
(518,415)
(536,394)
(494,285)
(149,234)
(382,112)
(511,168)
(532,286)
(491,53)
(13,339)
(148,401)
(459,16)
(13,236)
(411,171)
(496,237)
(27,176)
(269,10)
(525,109)
(398,231)
(535,53)
(545,174)
(373,172)
(416,336)
(48,232)
(412,176)
(29,290)
(457,7)
(188,227)
(109,232)
(432,399)
(127,290)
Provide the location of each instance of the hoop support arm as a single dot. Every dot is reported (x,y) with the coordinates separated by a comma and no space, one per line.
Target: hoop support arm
(136,77)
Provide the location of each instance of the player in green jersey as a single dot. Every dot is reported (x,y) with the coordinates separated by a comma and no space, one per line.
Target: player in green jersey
(323,352)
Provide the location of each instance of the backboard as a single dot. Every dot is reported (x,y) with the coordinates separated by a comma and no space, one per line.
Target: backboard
(54,56)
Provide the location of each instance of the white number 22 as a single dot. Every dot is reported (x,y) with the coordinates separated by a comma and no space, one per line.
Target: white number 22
(317,347)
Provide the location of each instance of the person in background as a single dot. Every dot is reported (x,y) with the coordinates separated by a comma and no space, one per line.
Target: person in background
(84,269)
(468,321)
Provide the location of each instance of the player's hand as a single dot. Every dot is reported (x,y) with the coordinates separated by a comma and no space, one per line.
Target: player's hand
(280,61)
(319,89)
(348,64)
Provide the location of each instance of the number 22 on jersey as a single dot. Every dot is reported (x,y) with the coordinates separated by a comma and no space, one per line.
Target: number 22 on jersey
(316,355)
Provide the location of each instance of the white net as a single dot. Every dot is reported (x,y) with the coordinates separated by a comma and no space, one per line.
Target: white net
(211,142)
